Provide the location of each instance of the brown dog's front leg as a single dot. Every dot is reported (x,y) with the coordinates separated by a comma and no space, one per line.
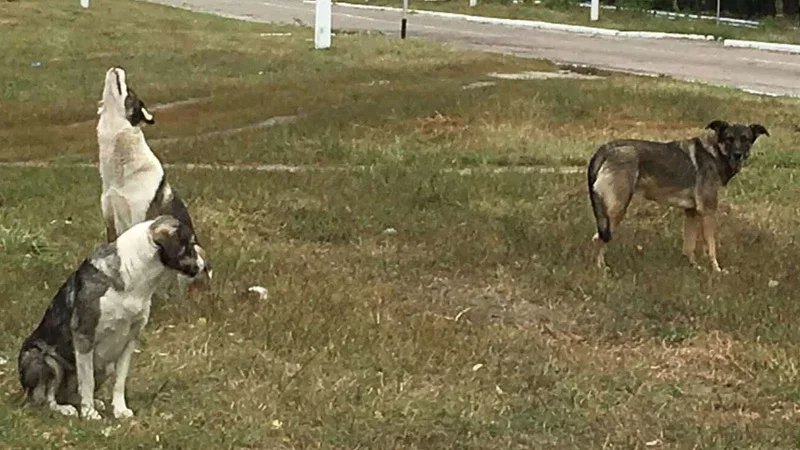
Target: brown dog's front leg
(709,227)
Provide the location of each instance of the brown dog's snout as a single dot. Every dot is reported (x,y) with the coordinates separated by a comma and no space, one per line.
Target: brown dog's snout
(739,155)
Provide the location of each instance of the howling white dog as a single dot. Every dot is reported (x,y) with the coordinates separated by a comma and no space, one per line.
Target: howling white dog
(134,186)
(130,171)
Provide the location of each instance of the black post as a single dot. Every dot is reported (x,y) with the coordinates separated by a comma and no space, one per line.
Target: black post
(403,28)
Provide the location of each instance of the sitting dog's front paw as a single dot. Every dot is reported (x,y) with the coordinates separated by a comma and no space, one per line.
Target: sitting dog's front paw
(66,410)
(123,413)
(89,413)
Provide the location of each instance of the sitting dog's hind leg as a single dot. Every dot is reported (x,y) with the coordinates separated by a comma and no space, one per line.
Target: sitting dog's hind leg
(51,387)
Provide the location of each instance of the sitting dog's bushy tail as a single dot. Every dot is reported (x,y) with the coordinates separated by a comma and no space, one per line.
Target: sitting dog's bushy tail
(35,373)
(40,366)
(39,363)
(598,206)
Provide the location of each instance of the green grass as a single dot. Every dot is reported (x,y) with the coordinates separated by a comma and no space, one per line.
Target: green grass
(782,30)
(481,323)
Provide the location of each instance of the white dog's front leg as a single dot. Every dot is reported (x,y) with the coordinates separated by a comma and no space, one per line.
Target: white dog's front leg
(121,410)
(84,363)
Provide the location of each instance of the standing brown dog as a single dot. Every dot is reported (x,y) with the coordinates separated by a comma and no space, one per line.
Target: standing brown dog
(686,174)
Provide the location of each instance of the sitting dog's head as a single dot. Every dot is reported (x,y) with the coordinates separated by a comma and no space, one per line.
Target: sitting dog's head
(734,140)
(177,246)
(119,99)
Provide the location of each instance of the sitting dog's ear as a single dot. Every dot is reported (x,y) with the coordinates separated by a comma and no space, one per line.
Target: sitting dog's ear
(163,228)
(718,126)
(758,130)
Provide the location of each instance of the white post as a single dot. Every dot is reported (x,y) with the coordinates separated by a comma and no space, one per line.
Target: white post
(718,1)
(473,3)
(595,13)
(85,3)
(322,24)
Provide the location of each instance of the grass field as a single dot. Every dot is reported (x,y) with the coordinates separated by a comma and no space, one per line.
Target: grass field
(781,29)
(479,323)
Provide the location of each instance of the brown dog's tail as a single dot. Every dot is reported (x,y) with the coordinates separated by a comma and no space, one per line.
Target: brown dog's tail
(598,206)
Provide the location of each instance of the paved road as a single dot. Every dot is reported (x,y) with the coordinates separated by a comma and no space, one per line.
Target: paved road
(708,62)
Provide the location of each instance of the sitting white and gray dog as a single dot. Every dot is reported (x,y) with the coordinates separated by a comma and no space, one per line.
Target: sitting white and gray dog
(134,186)
(90,329)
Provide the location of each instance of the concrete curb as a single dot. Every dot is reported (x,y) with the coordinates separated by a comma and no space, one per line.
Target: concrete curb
(661,35)
(592,31)
(769,46)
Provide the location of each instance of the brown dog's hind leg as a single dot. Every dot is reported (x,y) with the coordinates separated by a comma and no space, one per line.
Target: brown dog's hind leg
(612,191)
(600,251)
(709,227)
(616,211)
(691,228)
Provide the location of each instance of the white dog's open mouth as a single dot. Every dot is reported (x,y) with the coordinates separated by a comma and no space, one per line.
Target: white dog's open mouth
(119,85)
(115,82)
(119,78)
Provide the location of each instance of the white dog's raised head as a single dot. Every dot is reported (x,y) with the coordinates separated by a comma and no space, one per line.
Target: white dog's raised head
(120,100)
(176,245)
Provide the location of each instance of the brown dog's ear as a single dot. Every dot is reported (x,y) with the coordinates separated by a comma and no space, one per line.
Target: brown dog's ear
(718,126)
(758,130)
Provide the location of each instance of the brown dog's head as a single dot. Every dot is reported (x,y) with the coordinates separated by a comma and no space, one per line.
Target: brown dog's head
(120,99)
(734,140)
(176,245)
